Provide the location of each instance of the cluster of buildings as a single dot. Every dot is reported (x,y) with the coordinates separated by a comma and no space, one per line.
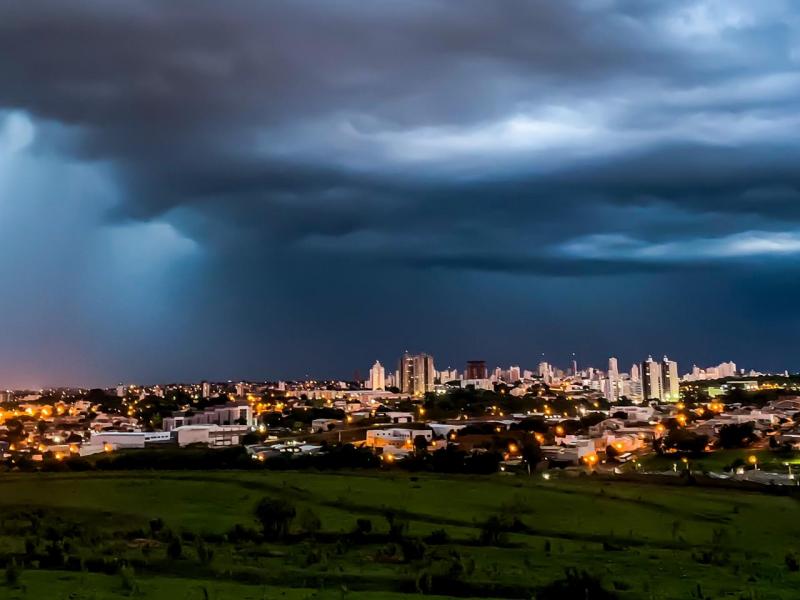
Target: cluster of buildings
(650,379)
(647,393)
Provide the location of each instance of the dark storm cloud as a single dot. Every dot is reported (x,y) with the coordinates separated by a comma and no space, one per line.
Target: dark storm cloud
(416,143)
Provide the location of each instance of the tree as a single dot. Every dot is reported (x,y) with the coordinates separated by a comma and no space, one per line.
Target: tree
(532,455)
(12,573)
(309,522)
(611,452)
(275,517)
(737,435)
(420,444)
(493,531)
(204,554)
(685,441)
(397,527)
(363,527)
(175,549)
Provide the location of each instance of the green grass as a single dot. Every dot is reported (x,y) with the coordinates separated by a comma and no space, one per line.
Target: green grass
(56,585)
(720,459)
(654,534)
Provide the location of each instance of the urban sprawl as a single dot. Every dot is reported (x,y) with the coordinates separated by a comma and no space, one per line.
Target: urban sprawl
(647,420)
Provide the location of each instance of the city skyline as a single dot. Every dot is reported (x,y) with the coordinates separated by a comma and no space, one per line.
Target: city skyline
(279,190)
(381,375)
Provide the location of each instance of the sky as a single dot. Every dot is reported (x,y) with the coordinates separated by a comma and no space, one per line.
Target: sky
(265,190)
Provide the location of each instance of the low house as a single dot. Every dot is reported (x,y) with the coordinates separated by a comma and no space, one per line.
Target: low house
(606,425)
(445,430)
(572,453)
(635,414)
(323,425)
(620,443)
(398,417)
(396,436)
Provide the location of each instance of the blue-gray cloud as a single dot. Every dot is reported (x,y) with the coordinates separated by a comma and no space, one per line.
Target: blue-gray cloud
(193,177)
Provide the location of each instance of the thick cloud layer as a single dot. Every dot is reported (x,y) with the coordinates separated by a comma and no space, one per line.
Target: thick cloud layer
(268,189)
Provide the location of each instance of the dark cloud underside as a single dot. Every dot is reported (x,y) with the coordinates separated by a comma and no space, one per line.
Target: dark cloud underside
(266,189)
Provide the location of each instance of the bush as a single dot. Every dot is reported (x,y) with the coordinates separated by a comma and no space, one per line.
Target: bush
(791,562)
(204,554)
(156,526)
(493,532)
(438,537)
(413,549)
(128,580)
(576,585)
(363,526)
(309,522)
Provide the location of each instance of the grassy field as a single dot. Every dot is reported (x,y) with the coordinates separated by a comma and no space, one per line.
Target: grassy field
(719,460)
(643,540)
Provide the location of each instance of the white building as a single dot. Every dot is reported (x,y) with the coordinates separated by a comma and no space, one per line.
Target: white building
(416,374)
(396,436)
(652,383)
(210,435)
(546,372)
(377,377)
(231,413)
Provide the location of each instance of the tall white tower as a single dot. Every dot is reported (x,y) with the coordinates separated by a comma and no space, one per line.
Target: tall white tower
(613,368)
(377,377)
(652,384)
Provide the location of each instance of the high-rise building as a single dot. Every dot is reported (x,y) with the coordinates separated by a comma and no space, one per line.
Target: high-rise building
(670,383)
(476,369)
(635,372)
(632,390)
(416,374)
(727,369)
(448,375)
(377,377)
(545,372)
(611,388)
(205,390)
(613,368)
(391,380)
(514,374)
(652,383)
